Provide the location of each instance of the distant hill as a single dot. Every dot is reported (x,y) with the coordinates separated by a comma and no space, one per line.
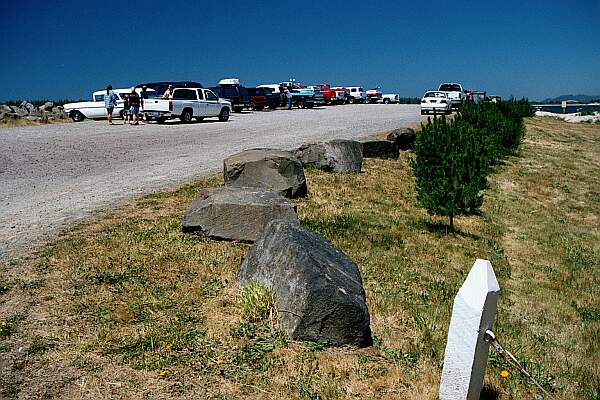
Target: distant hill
(581,98)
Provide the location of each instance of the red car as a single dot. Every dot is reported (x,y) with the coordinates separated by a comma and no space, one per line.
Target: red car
(331,96)
(258,99)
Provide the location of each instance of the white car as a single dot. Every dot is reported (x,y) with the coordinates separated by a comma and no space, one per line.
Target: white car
(435,101)
(96,108)
(390,98)
(357,94)
(455,93)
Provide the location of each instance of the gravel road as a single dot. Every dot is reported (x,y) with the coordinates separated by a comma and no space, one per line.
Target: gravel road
(53,175)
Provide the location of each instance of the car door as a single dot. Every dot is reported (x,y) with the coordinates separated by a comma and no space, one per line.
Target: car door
(202,106)
(213,108)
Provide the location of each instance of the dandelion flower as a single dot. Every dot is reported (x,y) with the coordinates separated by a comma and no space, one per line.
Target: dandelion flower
(504,373)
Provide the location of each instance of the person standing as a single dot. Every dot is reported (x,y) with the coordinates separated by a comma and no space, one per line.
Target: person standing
(134,107)
(288,96)
(110,102)
(168,93)
(125,97)
(143,96)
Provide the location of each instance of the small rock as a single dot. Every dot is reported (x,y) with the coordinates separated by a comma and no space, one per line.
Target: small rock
(333,156)
(403,138)
(236,213)
(375,148)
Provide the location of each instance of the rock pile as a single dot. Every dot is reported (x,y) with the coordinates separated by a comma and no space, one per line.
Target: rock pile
(28,111)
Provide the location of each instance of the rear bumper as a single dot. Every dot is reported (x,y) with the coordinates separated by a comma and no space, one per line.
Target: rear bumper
(435,106)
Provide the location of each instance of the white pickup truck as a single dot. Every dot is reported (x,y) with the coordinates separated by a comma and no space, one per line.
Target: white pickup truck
(455,93)
(187,104)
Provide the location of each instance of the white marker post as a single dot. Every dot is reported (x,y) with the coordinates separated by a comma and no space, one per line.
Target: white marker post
(466,352)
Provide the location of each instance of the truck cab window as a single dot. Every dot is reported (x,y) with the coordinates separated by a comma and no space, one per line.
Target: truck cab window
(200,94)
(210,96)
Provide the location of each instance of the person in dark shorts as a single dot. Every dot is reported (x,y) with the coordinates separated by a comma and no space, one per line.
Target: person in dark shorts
(143,96)
(110,102)
(125,97)
(134,107)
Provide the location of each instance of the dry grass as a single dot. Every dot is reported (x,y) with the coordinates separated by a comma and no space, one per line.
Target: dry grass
(129,307)
(13,123)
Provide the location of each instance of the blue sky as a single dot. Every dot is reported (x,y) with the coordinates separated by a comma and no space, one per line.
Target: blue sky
(536,49)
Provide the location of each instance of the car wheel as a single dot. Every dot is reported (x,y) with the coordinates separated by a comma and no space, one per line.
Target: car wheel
(301,104)
(386,101)
(77,116)
(351,100)
(186,116)
(224,115)
(252,106)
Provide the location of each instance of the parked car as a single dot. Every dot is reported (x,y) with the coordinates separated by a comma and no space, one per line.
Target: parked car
(258,98)
(330,96)
(357,95)
(436,101)
(237,94)
(96,108)
(345,93)
(161,87)
(454,91)
(390,98)
(186,104)
(374,95)
(276,93)
(476,96)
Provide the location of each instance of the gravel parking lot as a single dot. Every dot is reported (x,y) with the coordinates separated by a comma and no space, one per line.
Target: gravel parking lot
(53,175)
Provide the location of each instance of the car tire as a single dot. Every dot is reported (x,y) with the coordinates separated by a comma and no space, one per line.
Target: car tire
(351,100)
(252,106)
(301,103)
(186,116)
(77,116)
(224,114)
(386,101)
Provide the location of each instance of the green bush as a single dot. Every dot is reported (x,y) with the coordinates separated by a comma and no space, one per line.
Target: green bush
(450,167)
(453,159)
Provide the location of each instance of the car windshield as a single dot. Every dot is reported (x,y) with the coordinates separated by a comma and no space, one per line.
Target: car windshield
(447,87)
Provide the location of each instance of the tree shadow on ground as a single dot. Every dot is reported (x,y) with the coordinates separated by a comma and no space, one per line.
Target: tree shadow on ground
(443,229)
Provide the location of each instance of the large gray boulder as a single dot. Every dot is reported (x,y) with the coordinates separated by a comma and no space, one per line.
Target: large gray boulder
(269,169)
(318,290)
(236,213)
(378,148)
(333,156)
(403,138)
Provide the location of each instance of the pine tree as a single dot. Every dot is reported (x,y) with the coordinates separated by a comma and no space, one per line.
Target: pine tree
(450,166)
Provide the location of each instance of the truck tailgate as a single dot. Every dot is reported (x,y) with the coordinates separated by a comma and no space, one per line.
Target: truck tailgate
(160,105)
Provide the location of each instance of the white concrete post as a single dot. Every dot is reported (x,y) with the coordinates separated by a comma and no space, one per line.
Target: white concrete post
(466,352)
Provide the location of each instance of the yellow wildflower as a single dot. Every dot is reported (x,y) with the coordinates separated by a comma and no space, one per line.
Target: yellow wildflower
(504,373)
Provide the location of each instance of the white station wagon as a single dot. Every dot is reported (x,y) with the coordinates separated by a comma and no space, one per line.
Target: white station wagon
(435,101)
(96,109)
